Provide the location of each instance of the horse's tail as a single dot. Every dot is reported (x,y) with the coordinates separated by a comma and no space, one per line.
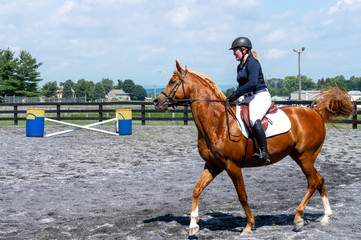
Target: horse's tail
(333,103)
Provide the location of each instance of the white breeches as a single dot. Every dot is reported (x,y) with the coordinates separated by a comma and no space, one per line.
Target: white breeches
(258,105)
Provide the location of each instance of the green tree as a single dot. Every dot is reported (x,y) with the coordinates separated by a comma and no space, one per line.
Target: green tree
(229,91)
(84,88)
(119,85)
(107,85)
(8,81)
(307,83)
(27,75)
(19,76)
(128,86)
(283,92)
(138,93)
(355,83)
(275,83)
(67,90)
(49,89)
(338,81)
(275,86)
(98,91)
(70,82)
(321,83)
(291,83)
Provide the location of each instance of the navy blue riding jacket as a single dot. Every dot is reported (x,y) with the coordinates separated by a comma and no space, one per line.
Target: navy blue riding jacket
(250,77)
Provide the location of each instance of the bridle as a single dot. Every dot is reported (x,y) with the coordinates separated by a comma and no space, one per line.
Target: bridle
(170,97)
(171,101)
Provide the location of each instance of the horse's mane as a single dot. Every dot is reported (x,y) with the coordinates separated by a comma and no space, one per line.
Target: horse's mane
(208,81)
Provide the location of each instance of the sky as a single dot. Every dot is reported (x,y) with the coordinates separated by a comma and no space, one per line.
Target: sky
(141,39)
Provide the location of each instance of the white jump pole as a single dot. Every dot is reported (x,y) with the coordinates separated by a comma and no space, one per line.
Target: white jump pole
(78,127)
(75,129)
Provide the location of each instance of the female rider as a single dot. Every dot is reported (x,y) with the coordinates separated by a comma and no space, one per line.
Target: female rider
(253,87)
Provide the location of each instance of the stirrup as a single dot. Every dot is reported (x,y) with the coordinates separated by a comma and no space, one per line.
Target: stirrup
(259,156)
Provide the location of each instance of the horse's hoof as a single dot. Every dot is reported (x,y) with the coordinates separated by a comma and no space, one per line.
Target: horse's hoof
(299,225)
(193,231)
(246,233)
(324,221)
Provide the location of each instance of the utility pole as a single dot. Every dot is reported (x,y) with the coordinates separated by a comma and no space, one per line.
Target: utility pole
(299,70)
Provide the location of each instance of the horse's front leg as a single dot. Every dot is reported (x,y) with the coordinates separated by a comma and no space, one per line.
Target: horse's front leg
(237,178)
(209,173)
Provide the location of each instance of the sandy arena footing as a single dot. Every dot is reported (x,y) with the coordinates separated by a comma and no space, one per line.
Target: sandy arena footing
(87,185)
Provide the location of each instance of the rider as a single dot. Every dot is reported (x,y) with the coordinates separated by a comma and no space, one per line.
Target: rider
(253,87)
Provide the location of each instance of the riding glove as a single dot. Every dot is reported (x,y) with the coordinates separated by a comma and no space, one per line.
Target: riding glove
(233,97)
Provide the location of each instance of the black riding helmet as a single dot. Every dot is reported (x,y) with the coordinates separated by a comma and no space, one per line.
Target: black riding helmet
(241,42)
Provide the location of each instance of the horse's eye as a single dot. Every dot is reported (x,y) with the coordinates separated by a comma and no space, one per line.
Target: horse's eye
(172,81)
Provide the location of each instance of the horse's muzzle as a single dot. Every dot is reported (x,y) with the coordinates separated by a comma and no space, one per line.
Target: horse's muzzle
(161,104)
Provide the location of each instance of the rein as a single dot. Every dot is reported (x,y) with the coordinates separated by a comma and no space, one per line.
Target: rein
(228,109)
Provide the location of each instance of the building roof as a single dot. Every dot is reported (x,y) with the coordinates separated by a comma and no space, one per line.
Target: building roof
(307,91)
(118,91)
(353,92)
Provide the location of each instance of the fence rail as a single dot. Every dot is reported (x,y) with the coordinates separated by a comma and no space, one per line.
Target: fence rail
(142,111)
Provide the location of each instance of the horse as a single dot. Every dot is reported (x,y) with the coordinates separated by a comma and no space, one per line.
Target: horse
(221,151)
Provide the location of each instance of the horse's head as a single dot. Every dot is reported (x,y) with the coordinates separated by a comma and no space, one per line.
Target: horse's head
(174,92)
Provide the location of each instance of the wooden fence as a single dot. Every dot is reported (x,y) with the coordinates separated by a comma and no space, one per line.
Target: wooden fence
(142,111)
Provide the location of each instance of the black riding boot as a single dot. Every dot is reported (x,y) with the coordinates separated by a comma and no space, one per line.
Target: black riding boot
(260,136)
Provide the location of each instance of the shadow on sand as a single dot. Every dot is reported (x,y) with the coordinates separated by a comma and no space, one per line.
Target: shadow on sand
(225,222)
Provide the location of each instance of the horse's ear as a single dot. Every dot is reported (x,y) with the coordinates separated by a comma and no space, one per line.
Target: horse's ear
(178,67)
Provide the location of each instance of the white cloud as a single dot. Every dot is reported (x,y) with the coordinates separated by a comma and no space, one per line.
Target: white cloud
(245,4)
(277,35)
(342,5)
(275,53)
(116,35)
(66,8)
(180,17)
(150,52)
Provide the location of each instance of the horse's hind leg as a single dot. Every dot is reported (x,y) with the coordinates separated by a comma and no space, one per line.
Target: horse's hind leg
(315,181)
(209,173)
(326,204)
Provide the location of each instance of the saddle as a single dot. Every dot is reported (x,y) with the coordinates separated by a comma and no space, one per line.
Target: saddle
(245,115)
(251,144)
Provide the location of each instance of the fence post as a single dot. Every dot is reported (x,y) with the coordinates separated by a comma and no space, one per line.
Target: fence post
(58,112)
(185,115)
(354,117)
(100,112)
(15,115)
(143,114)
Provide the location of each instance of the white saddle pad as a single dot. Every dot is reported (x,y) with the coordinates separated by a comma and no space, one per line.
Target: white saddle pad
(278,123)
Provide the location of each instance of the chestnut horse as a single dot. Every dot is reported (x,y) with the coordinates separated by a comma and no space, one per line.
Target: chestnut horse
(220,152)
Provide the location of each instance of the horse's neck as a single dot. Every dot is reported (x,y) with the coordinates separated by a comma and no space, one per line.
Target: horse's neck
(208,115)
